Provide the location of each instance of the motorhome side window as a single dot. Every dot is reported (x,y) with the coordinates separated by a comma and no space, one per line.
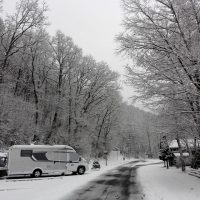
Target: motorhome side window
(73,157)
(26,153)
(40,156)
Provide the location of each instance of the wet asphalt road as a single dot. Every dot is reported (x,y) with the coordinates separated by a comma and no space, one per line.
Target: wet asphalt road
(117,184)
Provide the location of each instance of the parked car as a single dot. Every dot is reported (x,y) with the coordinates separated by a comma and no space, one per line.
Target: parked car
(96,165)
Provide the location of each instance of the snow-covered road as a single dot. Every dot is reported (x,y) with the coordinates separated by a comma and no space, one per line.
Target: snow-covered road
(157,183)
(119,183)
(48,188)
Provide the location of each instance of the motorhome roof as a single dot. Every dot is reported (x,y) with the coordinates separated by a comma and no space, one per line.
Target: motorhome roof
(42,146)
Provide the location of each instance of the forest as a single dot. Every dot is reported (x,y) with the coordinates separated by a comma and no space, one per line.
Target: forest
(51,93)
(162,38)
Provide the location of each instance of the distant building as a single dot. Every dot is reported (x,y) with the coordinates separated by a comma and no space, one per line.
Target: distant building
(187,146)
(173,145)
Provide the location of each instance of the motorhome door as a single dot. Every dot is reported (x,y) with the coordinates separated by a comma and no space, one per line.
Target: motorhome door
(60,160)
(73,161)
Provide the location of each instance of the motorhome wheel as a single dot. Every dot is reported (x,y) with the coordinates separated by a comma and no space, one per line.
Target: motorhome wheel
(81,170)
(37,173)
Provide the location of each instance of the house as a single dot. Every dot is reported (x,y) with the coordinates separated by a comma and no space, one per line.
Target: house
(187,146)
(173,145)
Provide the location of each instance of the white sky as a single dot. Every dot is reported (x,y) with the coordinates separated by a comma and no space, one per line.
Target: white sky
(93,25)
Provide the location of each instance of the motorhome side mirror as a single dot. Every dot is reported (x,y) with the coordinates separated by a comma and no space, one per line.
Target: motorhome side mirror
(80,159)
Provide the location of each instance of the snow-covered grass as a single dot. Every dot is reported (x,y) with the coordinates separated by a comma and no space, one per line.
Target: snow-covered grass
(159,183)
(51,188)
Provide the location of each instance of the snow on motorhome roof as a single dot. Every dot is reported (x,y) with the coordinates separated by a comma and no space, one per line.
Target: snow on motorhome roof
(43,146)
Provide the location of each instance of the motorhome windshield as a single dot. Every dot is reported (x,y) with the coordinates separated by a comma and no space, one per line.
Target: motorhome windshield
(3,161)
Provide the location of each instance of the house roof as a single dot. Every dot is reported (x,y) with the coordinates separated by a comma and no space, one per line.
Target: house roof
(174,144)
(2,154)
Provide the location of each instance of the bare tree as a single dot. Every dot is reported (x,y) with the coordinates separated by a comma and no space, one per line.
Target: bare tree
(30,14)
(163,36)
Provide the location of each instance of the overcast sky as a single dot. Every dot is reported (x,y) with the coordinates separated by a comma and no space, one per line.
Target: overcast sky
(93,25)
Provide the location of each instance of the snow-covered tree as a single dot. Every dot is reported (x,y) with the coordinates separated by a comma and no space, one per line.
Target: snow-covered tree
(162,37)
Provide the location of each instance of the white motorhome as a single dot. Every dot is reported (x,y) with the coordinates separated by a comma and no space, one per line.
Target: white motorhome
(37,160)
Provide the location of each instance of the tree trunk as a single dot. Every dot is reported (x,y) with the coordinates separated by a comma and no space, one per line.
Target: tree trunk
(53,127)
(1,76)
(100,130)
(188,148)
(54,124)
(17,83)
(36,101)
(181,154)
(195,144)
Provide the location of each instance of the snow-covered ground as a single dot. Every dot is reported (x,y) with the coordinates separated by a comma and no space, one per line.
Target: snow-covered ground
(159,183)
(52,188)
